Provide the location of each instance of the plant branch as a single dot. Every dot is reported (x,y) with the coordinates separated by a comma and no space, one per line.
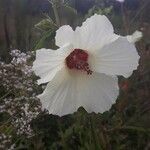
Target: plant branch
(54,6)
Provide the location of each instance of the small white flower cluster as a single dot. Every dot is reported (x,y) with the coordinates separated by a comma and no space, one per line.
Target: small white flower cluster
(12,147)
(19,90)
(5,141)
(23,123)
(22,111)
(15,73)
(19,57)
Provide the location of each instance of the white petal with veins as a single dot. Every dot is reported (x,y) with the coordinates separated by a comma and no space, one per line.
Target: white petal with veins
(66,93)
(96,32)
(64,35)
(117,58)
(48,62)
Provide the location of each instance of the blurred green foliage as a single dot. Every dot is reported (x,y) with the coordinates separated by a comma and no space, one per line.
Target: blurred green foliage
(127,125)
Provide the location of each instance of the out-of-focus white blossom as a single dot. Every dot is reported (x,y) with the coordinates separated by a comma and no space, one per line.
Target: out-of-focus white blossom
(121,1)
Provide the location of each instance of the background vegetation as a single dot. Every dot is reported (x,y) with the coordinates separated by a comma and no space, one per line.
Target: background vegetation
(31,24)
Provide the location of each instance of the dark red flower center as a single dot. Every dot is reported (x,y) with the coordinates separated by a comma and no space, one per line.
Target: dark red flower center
(78,59)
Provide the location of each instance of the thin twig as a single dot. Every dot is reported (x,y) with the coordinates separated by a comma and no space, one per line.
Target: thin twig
(137,14)
(54,6)
(5,95)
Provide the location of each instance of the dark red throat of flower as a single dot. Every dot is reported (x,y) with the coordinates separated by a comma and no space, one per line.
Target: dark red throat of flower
(78,59)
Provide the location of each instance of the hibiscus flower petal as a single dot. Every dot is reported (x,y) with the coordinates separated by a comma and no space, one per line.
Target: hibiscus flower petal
(97,92)
(56,93)
(135,37)
(48,62)
(118,58)
(94,33)
(64,35)
(66,93)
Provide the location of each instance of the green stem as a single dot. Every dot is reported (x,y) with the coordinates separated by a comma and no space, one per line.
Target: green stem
(124,18)
(54,5)
(5,95)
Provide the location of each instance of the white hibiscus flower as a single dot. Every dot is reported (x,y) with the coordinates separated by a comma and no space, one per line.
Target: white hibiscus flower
(83,71)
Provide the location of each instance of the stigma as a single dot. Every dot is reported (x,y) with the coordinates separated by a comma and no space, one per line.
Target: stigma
(78,60)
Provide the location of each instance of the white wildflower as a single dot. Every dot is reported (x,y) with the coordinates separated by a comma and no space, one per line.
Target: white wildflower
(83,71)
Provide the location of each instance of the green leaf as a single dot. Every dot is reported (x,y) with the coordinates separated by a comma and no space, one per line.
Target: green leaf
(49,35)
(99,10)
(69,9)
(46,24)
